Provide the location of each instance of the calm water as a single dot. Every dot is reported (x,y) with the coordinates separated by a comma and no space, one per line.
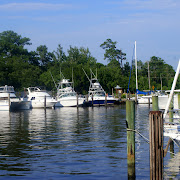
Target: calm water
(71,143)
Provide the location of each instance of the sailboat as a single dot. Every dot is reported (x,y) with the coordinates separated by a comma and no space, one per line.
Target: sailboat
(146,98)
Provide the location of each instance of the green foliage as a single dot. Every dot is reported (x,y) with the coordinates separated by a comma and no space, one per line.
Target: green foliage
(21,68)
(111,52)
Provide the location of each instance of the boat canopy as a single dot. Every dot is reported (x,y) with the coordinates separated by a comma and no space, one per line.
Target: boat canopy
(142,92)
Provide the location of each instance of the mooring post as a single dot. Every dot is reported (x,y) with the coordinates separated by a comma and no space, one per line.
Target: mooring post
(171,120)
(171,111)
(9,102)
(106,100)
(155,106)
(178,103)
(130,118)
(156,145)
(44,102)
(77,100)
(92,101)
(136,98)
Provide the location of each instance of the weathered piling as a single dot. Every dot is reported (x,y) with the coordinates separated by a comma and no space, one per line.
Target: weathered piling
(171,111)
(77,98)
(155,106)
(171,120)
(44,102)
(130,118)
(9,101)
(178,103)
(92,101)
(156,144)
(106,100)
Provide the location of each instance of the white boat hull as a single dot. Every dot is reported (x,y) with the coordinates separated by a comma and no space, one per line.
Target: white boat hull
(42,104)
(14,105)
(144,100)
(69,102)
(162,101)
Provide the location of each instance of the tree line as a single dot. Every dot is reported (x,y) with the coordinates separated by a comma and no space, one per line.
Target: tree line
(22,68)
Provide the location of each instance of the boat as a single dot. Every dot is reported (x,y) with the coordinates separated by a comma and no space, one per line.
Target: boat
(172,129)
(163,99)
(40,98)
(97,95)
(67,96)
(9,100)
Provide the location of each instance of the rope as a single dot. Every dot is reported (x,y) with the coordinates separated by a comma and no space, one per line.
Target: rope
(147,140)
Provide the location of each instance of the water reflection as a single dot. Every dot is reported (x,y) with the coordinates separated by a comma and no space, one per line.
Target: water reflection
(64,141)
(78,143)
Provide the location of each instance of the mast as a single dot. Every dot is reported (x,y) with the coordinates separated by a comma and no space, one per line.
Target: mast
(136,66)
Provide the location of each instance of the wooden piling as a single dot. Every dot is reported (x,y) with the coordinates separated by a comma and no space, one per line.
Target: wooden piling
(171,107)
(9,102)
(155,106)
(156,144)
(77,100)
(130,117)
(178,103)
(171,111)
(92,101)
(105,99)
(44,102)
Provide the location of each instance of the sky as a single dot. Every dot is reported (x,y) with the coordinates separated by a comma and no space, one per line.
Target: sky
(153,24)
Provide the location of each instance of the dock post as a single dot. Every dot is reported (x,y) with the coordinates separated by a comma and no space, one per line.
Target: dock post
(9,102)
(155,106)
(136,100)
(178,103)
(44,102)
(77,100)
(171,111)
(130,118)
(156,144)
(171,120)
(106,100)
(92,101)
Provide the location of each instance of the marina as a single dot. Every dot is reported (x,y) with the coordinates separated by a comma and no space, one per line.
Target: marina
(78,143)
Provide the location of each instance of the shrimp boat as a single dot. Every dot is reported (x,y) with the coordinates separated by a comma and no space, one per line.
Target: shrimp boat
(66,95)
(40,98)
(9,100)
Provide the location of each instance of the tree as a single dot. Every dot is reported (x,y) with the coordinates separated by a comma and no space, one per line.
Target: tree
(111,52)
(59,55)
(13,44)
(45,57)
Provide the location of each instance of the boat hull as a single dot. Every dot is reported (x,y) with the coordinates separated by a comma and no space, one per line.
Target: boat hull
(101,100)
(69,102)
(42,104)
(14,105)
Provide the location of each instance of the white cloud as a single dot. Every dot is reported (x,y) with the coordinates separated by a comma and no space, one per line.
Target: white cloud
(33,6)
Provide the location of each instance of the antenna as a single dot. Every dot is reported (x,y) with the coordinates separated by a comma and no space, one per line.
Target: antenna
(93,74)
(86,74)
(72,78)
(53,80)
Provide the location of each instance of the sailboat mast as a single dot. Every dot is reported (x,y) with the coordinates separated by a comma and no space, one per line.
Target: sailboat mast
(136,66)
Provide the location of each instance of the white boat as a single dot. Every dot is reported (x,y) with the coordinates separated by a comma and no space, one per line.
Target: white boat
(97,95)
(40,98)
(144,99)
(66,95)
(9,100)
(163,99)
